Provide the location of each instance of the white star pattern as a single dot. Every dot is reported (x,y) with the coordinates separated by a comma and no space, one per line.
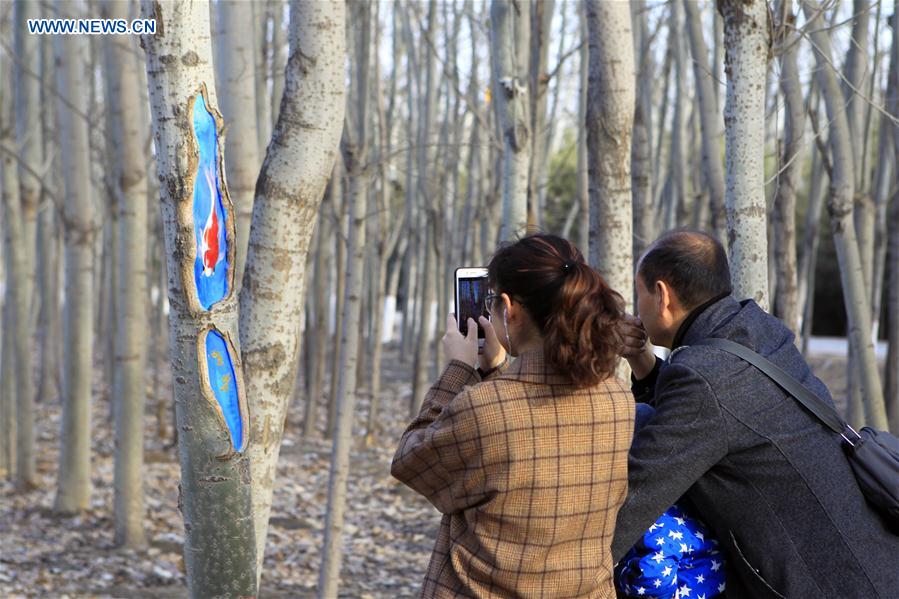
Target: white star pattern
(656,583)
(660,541)
(653,527)
(685,591)
(683,548)
(715,566)
(666,571)
(700,536)
(677,536)
(680,521)
(641,591)
(700,579)
(721,588)
(701,597)
(658,557)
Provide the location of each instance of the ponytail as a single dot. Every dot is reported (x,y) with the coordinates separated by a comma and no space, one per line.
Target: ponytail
(575,310)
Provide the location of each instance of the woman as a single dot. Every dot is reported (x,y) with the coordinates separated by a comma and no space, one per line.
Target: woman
(528,461)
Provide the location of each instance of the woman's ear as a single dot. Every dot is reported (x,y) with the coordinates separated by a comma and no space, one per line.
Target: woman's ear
(507,306)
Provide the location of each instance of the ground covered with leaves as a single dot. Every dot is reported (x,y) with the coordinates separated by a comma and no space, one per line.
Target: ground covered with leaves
(387,540)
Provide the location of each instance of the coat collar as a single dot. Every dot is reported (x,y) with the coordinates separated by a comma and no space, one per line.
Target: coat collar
(705,319)
(531,367)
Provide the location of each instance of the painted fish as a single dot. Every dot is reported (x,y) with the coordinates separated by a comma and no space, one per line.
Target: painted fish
(209,244)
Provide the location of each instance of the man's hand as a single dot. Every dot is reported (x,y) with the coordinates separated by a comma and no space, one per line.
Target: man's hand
(457,347)
(635,346)
(494,353)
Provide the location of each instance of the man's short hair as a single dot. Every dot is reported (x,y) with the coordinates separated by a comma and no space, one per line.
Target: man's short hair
(692,263)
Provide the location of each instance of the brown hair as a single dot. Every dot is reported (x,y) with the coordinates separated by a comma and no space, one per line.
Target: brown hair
(575,310)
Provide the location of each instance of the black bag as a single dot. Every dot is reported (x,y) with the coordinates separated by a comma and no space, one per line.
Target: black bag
(873,455)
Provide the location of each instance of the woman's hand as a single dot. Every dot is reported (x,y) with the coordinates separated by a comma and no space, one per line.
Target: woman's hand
(457,347)
(494,353)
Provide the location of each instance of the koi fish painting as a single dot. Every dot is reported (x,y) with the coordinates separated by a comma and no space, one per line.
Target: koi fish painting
(221,381)
(211,263)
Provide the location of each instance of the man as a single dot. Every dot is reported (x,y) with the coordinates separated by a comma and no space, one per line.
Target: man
(769,479)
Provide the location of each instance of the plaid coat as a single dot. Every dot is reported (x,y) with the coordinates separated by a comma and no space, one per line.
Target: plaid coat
(528,471)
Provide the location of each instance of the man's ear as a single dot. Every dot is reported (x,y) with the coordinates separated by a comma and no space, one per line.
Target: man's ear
(666,298)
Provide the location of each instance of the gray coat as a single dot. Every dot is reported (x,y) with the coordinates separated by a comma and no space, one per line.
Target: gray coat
(770,481)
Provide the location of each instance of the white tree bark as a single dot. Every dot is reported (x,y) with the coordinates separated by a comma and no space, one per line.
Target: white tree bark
(129,388)
(510,24)
(641,149)
(29,145)
(74,483)
(355,155)
(840,208)
(294,174)
(892,365)
(745,57)
(215,500)
(610,122)
(11,232)
(235,62)
(710,122)
(786,305)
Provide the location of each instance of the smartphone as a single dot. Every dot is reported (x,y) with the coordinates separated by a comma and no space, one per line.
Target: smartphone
(471,291)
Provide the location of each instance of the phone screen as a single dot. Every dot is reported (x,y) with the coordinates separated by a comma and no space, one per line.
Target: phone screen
(472,292)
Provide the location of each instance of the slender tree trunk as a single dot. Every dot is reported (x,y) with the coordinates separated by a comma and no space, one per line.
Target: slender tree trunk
(237,87)
(74,483)
(129,387)
(746,49)
(279,56)
(339,286)
(840,208)
(610,122)
(892,365)
(641,150)
(713,173)
(317,335)
(23,217)
(583,178)
(786,306)
(257,35)
(676,187)
(538,79)
(355,154)
(214,427)
(510,23)
(9,180)
(288,194)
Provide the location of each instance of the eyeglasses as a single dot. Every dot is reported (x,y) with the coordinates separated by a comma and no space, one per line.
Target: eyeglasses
(488,303)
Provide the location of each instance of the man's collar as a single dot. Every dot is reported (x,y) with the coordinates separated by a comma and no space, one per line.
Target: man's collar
(691,318)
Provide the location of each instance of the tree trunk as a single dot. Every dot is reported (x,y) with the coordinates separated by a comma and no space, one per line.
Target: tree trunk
(28,142)
(786,306)
(129,387)
(237,90)
(840,208)
(610,122)
(317,335)
(279,56)
(583,178)
(290,189)
(355,154)
(675,191)
(538,80)
(201,242)
(510,24)
(257,33)
(746,50)
(74,486)
(9,180)
(339,279)
(892,365)
(713,174)
(641,150)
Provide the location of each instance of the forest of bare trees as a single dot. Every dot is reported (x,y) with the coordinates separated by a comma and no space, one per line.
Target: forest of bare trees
(237,234)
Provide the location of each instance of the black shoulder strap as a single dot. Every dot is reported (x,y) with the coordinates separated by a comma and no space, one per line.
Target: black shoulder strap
(822,410)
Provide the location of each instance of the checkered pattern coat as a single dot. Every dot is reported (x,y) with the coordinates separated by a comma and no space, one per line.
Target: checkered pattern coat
(528,471)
